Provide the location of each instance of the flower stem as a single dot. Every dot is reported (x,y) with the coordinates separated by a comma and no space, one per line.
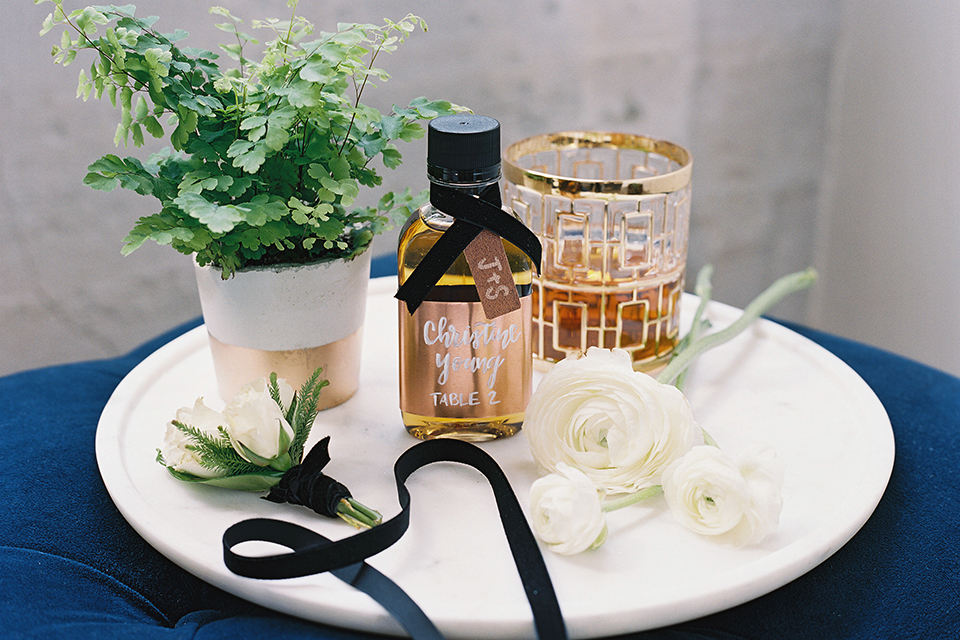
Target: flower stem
(708,439)
(357,514)
(632,498)
(704,290)
(760,305)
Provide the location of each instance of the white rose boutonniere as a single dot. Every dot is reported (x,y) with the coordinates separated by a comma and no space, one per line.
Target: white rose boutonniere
(738,501)
(618,426)
(566,511)
(257,444)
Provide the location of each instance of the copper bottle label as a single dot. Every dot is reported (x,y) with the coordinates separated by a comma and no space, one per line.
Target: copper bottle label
(457,363)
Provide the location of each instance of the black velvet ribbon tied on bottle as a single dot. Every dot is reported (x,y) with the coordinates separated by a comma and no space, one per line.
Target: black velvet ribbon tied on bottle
(311,553)
(305,484)
(472,214)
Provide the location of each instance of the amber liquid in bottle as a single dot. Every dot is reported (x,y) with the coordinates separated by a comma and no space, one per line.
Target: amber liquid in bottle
(418,379)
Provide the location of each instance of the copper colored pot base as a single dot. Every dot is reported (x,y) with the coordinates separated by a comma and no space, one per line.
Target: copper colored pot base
(236,366)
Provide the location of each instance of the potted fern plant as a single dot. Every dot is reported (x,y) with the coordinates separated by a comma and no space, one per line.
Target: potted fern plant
(266,161)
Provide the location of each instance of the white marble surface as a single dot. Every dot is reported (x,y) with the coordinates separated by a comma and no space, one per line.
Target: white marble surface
(768,385)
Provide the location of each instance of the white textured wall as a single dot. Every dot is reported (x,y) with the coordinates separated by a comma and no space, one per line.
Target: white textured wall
(745,85)
(889,246)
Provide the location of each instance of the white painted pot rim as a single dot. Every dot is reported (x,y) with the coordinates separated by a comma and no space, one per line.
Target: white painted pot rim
(285,307)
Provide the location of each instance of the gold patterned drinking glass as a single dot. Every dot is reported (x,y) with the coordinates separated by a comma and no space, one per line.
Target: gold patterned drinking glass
(613,213)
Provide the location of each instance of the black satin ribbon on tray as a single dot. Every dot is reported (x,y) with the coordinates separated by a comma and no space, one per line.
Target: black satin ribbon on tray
(471,214)
(360,575)
(312,554)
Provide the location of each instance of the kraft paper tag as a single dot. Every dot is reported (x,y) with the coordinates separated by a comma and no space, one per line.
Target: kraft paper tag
(491,273)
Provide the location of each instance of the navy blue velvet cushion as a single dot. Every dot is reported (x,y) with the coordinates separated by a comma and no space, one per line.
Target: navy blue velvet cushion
(71,567)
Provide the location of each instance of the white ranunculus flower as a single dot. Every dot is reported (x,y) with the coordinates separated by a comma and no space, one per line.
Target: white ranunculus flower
(566,511)
(738,501)
(620,427)
(175,451)
(254,421)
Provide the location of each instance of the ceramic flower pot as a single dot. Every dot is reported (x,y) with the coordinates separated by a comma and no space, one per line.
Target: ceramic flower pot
(289,319)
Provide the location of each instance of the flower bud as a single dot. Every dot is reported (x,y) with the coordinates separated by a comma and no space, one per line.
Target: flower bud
(255,423)
(712,494)
(566,512)
(176,450)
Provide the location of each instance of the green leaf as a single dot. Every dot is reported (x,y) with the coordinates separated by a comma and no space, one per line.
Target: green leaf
(88,19)
(100,182)
(157,60)
(411,131)
(391,127)
(429,109)
(262,481)
(317,171)
(108,163)
(391,157)
(141,110)
(137,131)
(372,144)
(219,219)
(328,228)
(247,155)
(126,98)
(317,70)
(239,186)
(186,124)
(271,233)
(349,191)
(330,184)
(253,122)
(300,217)
(301,94)
(48,24)
(253,457)
(261,210)
(153,126)
(277,137)
(340,168)
(278,128)
(109,170)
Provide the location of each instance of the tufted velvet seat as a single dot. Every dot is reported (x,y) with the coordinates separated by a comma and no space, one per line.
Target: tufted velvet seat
(71,568)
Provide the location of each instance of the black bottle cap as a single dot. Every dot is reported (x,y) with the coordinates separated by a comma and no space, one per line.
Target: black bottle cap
(463,148)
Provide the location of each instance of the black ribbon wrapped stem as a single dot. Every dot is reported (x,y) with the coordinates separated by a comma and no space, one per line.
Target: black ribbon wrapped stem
(305,484)
(472,214)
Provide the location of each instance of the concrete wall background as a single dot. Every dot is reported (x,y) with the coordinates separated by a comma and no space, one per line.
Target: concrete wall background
(889,236)
(763,92)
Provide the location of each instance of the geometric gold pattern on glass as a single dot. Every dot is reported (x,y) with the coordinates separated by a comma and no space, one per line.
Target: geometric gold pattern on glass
(612,212)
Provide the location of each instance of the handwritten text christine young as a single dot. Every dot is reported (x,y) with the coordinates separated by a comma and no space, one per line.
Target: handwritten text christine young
(482,335)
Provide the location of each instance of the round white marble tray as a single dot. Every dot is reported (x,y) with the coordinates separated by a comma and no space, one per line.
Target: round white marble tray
(768,385)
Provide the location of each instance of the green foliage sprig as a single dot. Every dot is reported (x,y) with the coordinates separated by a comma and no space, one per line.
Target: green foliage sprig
(219,453)
(268,157)
(289,476)
(303,409)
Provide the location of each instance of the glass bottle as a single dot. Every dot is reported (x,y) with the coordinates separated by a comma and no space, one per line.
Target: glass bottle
(462,375)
